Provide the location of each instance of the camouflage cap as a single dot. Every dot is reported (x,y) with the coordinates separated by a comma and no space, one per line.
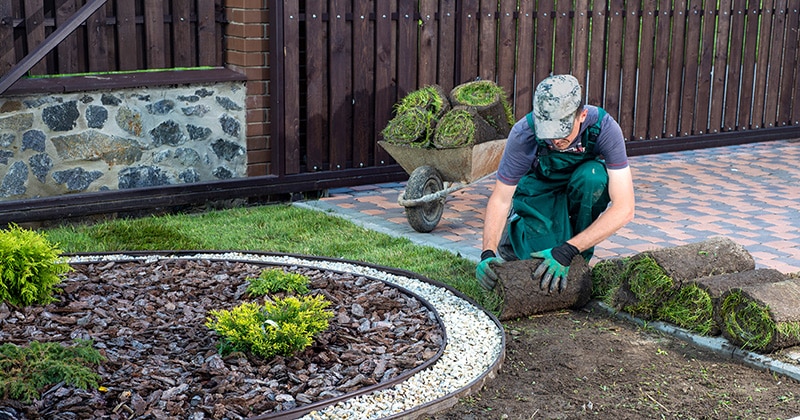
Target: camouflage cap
(554,104)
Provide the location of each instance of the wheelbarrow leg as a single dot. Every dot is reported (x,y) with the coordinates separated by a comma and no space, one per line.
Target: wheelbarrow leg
(423,181)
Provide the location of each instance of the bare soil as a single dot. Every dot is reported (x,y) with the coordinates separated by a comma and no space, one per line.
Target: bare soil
(589,364)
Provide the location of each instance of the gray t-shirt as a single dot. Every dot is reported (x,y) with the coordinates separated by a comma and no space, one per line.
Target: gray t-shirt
(520,151)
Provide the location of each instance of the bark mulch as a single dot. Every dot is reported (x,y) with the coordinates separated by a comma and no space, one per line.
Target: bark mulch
(147,318)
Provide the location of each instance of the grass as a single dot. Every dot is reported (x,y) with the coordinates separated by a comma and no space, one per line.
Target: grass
(273,228)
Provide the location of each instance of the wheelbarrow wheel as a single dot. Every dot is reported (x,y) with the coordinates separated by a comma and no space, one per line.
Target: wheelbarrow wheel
(423,181)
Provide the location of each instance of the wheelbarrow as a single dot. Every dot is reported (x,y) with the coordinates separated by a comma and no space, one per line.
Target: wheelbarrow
(434,173)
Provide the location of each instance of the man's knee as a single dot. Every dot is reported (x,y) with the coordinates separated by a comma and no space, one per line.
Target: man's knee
(590,178)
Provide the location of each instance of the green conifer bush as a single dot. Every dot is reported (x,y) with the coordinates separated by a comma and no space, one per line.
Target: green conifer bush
(30,267)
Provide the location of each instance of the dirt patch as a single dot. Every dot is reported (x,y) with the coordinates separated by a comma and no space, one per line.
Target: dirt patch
(588,364)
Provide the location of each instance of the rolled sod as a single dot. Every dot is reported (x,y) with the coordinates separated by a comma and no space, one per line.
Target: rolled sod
(606,278)
(431,98)
(413,127)
(522,296)
(762,317)
(489,100)
(462,126)
(415,117)
(652,277)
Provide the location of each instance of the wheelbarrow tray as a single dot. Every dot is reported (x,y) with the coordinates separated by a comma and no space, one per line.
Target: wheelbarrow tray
(462,164)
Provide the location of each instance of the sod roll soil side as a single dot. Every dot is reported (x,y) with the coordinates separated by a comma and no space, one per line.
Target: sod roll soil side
(762,317)
(522,296)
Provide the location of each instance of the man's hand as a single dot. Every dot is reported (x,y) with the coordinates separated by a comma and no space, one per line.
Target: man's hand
(553,270)
(486,276)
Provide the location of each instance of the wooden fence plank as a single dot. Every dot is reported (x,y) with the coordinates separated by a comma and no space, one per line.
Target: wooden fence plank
(506,54)
(644,91)
(706,65)
(363,62)
(407,26)
(126,35)
(597,62)
(580,55)
(341,112)
(734,65)
(317,135)
(68,48)
(789,84)
(694,18)
(744,117)
(207,45)
(629,63)
(428,42)
(795,88)
(97,40)
(34,29)
(720,66)
(762,64)
(291,88)
(661,59)
(154,33)
(467,45)
(544,40)
(385,89)
(487,40)
(523,94)
(616,25)
(774,74)
(563,56)
(676,64)
(447,44)
(7,56)
(182,51)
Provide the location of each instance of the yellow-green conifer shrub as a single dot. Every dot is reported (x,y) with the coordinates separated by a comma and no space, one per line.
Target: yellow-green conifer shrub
(282,327)
(276,280)
(30,267)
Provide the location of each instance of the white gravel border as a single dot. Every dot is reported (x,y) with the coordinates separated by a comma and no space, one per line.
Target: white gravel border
(474,341)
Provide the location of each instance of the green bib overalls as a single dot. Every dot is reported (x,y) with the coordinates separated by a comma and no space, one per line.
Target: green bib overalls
(559,197)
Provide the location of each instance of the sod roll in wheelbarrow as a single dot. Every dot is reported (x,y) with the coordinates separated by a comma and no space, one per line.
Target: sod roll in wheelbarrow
(522,296)
(489,100)
(652,277)
(415,117)
(462,126)
(762,317)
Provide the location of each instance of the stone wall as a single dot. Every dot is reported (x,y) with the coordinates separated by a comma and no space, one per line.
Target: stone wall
(54,144)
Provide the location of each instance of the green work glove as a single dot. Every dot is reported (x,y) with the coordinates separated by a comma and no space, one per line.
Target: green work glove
(552,271)
(487,278)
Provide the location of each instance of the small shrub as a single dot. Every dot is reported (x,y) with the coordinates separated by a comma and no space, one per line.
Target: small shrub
(277,280)
(26,370)
(31,267)
(282,327)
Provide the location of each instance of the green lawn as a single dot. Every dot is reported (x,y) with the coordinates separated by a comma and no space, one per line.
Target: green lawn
(273,228)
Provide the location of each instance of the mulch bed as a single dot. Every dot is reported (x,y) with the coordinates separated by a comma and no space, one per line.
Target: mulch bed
(147,318)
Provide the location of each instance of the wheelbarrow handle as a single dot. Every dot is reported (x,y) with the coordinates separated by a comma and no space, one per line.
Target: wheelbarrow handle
(428,198)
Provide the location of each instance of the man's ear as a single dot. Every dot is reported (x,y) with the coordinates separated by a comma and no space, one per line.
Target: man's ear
(584,114)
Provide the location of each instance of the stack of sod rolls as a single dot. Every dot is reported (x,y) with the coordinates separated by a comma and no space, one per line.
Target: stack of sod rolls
(473,113)
(481,112)
(711,287)
(415,117)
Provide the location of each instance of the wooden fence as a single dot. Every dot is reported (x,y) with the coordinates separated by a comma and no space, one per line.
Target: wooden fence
(677,69)
(122,35)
